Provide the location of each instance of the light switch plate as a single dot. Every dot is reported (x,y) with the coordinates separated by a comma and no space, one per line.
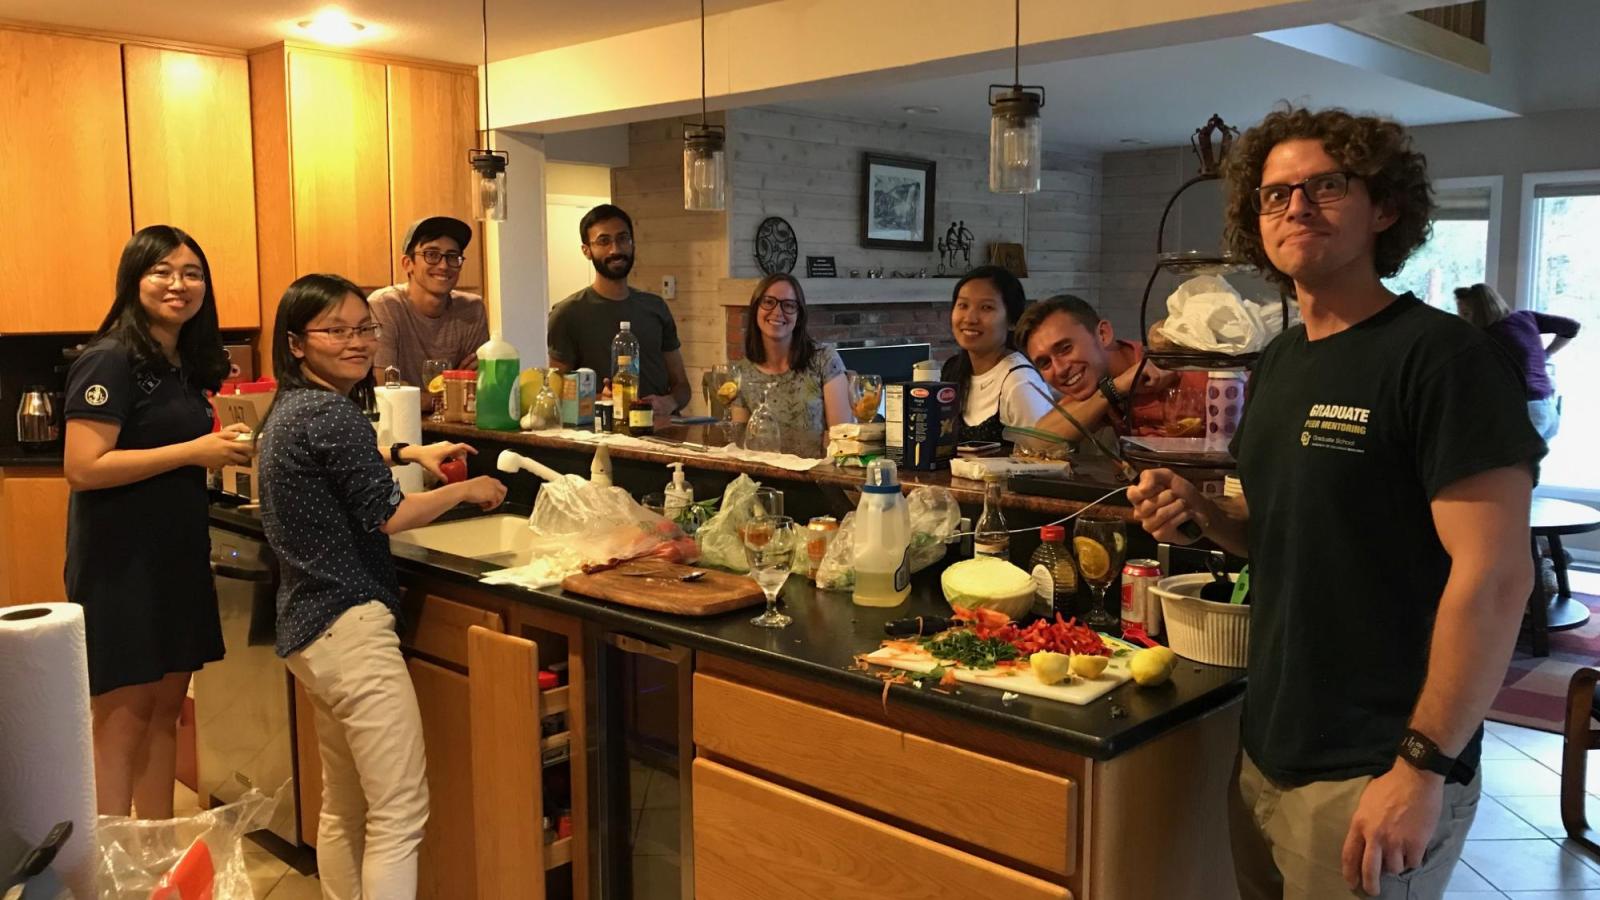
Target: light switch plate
(669,287)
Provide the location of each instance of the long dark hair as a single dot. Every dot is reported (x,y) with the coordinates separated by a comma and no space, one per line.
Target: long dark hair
(200,352)
(308,297)
(959,367)
(801,346)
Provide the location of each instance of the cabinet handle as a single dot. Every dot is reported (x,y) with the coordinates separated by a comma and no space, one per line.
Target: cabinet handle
(629,644)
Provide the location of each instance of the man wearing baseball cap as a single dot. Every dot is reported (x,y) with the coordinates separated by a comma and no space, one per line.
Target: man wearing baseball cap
(425,317)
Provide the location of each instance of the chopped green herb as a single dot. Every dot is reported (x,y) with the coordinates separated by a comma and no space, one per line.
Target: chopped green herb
(967,649)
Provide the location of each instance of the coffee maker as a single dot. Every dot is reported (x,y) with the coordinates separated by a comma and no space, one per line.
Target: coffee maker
(38,419)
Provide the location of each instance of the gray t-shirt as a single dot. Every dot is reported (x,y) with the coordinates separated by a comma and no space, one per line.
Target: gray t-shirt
(796,397)
(582,326)
(409,337)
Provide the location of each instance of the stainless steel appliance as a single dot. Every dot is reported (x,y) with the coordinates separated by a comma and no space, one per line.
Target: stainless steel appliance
(242,703)
(37,421)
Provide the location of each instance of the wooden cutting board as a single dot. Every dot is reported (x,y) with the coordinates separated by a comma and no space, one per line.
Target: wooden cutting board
(1078,691)
(653,584)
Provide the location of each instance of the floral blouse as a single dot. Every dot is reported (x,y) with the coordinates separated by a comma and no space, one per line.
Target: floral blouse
(796,397)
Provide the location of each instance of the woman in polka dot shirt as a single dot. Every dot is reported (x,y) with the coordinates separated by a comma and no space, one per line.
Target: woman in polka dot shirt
(328,505)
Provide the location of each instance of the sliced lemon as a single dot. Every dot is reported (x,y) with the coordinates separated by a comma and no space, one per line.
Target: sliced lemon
(728,391)
(436,386)
(1050,668)
(1093,560)
(1088,665)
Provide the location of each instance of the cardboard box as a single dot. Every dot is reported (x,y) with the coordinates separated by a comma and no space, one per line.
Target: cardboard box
(247,409)
(920,433)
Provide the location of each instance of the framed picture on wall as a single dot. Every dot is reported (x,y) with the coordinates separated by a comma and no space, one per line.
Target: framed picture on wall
(897,203)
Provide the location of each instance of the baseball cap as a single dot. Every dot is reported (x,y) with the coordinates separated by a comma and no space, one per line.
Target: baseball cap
(429,227)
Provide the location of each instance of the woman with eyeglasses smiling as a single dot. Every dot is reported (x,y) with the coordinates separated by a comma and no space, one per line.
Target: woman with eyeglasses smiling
(803,383)
(328,505)
(139,441)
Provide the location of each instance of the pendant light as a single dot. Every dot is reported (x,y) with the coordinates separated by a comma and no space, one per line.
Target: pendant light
(1016,144)
(488,166)
(704,150)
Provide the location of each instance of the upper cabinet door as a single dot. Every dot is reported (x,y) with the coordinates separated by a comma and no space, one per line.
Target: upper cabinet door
(64,176)
(339,145)
(432,122)
(190,162)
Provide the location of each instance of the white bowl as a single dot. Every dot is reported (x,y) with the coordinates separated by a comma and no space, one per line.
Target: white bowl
(1202,630)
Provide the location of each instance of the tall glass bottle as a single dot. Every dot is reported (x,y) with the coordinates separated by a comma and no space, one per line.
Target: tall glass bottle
(990,537)
(624,376)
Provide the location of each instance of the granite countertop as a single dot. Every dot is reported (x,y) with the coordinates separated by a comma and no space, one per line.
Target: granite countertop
(16,457)
(829,631)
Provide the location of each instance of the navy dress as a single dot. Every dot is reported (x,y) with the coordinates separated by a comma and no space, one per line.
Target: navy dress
(138,555)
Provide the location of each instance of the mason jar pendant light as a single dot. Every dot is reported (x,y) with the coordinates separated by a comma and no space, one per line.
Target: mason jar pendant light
(488,166)
(1016,144)
(704,150)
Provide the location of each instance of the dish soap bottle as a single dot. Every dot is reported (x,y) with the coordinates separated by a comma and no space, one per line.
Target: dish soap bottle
(498,392)
(882,540)
(1055,579)
(678,496)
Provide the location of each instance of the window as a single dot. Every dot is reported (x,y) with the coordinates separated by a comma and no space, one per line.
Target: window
(1462,250)
(1561,275)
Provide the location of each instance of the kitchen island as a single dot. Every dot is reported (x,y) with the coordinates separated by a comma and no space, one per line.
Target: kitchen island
(804,776)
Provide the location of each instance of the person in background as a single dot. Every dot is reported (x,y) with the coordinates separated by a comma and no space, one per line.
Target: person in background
(425,317)
(1079,354)
(804,384)
(582,325)
(995,385)
(328,506)
(139,439)
(1520,333)
(1387,469)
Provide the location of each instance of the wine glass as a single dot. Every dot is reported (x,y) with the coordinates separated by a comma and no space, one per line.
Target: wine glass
(769,543)
(1098,544)
(546,412)
(433,383)
(723,390)
(866,390)
(762,433)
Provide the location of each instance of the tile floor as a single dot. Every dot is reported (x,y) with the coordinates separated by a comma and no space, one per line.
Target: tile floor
(1516,849)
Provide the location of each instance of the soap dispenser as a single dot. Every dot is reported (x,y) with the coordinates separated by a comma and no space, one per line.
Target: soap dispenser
(678,496)
(600,467)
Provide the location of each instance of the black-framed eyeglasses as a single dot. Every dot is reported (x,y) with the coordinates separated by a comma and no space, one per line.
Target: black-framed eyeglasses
(1329,187)
(606,241)
(449,257)
(344,334)
(770,303)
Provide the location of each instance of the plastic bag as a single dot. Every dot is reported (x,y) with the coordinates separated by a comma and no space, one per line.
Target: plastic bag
(1206,313)
(720,543)
(934,516)
(197,857)
(580,525)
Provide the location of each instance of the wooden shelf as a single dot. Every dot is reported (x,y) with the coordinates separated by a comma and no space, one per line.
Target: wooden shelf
(554,700)
(558,853)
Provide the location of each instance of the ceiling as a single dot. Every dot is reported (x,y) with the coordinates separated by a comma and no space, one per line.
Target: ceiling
(1160,96)
(427,29)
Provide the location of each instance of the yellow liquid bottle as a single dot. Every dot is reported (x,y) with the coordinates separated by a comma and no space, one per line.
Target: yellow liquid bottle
(624,390)
(882,540)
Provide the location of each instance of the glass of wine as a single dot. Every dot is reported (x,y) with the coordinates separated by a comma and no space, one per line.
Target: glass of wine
(433,384)
(724,388)
(1098,544)
(769,544)
(866,391)
(763,433)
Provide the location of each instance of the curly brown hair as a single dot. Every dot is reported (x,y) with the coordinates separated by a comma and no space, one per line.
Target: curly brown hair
(1378,150)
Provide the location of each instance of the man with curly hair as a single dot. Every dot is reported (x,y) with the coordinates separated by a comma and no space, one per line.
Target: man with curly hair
(1387,464)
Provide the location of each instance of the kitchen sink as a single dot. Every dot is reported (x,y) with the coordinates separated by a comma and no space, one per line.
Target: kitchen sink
(501,539)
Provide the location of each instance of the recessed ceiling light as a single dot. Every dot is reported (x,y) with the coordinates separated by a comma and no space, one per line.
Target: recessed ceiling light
(331,26)
(920,110)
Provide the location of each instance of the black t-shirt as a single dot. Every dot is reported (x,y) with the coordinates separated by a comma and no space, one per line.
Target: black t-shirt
(582,326)
(1344,443)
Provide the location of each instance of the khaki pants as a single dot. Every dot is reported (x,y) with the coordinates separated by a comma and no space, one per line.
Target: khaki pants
(369,732)
(1287,841)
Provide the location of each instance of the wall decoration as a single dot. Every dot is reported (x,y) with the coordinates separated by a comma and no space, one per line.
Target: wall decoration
(821,267)
(897,202)
(777,247)
(1011,257)
(955,250)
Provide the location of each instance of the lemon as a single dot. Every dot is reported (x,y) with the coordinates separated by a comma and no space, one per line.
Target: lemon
(1093,560)
(728,391)
(1152,666)
(436,386)
(1088,665)
(528,385)
(1050,668)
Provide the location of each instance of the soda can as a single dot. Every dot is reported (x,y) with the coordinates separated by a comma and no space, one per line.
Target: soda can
(1140,606)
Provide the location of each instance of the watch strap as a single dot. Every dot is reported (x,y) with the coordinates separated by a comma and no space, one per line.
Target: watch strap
(1108,389)
(394,452)
(1420,751)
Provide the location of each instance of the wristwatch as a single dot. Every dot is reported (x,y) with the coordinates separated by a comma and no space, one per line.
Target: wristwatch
(394,452)
(1108,389)
(1420,751)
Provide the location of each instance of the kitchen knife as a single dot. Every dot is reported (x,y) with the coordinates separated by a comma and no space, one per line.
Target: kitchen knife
(917,625)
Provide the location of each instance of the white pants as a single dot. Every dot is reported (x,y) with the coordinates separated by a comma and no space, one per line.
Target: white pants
(369,732)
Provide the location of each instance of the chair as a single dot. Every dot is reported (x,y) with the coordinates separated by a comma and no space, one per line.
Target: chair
(1583,709)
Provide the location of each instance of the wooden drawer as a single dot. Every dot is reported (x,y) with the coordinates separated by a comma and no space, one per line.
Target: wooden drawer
(1010,810)
(753,838)
(440,630)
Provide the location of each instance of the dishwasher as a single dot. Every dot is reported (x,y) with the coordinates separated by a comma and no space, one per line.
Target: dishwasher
(242,703)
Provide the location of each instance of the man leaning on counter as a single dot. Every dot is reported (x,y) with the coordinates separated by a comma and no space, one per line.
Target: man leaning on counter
(582,325)
(425,317)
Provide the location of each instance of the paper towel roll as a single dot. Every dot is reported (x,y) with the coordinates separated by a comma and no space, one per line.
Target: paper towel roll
(46,755)
(400,421)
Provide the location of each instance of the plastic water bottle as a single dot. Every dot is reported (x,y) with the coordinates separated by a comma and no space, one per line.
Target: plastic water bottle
(499,399)
(882,539)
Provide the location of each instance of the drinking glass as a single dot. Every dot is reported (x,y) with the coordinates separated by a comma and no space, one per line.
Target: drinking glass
(769,543)
(433,384)
(866,391)
(1098,544)
(763,434)
(724,390)
(546,412)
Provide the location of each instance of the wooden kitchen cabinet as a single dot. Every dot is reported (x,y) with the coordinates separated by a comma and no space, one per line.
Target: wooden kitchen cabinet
(33,534)
(190,165)
(432,120)
(444,862)
(64,177)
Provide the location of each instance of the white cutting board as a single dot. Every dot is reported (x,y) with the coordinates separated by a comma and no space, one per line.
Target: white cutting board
(1079,690)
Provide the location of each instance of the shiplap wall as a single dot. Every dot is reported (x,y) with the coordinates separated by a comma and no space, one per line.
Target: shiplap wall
(807,169)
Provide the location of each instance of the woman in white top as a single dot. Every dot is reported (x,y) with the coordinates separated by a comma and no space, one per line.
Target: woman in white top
(995,384)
